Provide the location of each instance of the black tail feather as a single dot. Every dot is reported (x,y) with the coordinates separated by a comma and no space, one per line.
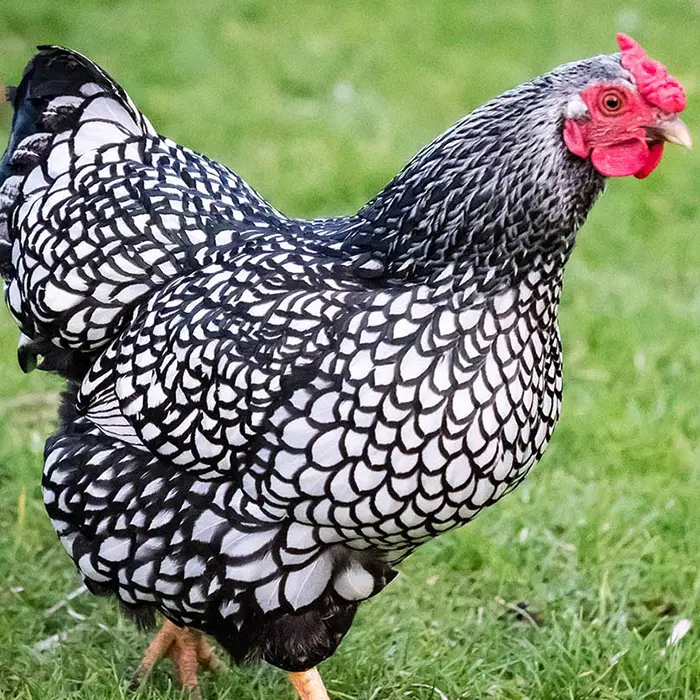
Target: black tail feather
(55,88)
(53,72)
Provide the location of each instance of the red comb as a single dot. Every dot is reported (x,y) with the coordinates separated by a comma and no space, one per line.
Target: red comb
(653,81)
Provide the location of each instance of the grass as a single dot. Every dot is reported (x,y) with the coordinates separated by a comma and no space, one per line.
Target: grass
(318,104)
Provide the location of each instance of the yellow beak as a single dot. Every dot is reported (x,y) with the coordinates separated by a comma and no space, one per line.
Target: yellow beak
(673,131)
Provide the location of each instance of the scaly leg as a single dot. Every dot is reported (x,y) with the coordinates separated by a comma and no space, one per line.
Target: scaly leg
(309,685)
(188,649)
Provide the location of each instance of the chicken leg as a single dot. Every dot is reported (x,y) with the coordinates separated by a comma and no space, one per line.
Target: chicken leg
(188,649)
(309,685)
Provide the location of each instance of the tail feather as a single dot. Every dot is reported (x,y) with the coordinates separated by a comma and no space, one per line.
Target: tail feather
(97,210)
(56,83)
(65,106)
(57,92)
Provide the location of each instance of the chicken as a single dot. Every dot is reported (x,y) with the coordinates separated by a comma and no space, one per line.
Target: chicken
(266,415)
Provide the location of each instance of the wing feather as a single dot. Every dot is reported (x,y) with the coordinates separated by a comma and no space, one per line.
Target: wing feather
(208,361)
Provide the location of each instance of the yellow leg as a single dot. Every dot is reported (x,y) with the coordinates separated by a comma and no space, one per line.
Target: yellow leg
(309,685)
(188,649)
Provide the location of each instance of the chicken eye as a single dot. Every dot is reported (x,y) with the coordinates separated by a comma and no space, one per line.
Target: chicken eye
(611,102)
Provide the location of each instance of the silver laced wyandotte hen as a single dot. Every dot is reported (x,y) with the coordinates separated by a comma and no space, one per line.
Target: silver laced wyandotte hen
(265,415)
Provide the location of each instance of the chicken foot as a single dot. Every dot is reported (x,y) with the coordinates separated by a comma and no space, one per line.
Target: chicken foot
(188,649)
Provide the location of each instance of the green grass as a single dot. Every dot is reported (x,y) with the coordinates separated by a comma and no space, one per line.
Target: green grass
(317,104)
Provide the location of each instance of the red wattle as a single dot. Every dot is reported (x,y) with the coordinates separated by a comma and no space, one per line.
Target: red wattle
(653,159)
(621,159)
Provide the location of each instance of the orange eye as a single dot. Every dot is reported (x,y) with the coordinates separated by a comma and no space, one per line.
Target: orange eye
(611,102)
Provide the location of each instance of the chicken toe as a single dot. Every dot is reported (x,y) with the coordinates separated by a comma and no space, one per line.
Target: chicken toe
(188,649)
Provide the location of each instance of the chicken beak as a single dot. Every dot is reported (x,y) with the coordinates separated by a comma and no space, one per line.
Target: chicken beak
(673,131)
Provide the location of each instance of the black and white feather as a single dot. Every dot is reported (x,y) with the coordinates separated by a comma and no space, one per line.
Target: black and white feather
(267,414)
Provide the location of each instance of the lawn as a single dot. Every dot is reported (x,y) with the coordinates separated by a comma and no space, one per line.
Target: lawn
(317,105)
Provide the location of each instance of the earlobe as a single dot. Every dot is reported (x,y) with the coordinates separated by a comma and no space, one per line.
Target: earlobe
(574,138)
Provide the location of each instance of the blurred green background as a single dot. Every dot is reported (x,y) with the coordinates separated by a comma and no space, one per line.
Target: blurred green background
(317,105)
